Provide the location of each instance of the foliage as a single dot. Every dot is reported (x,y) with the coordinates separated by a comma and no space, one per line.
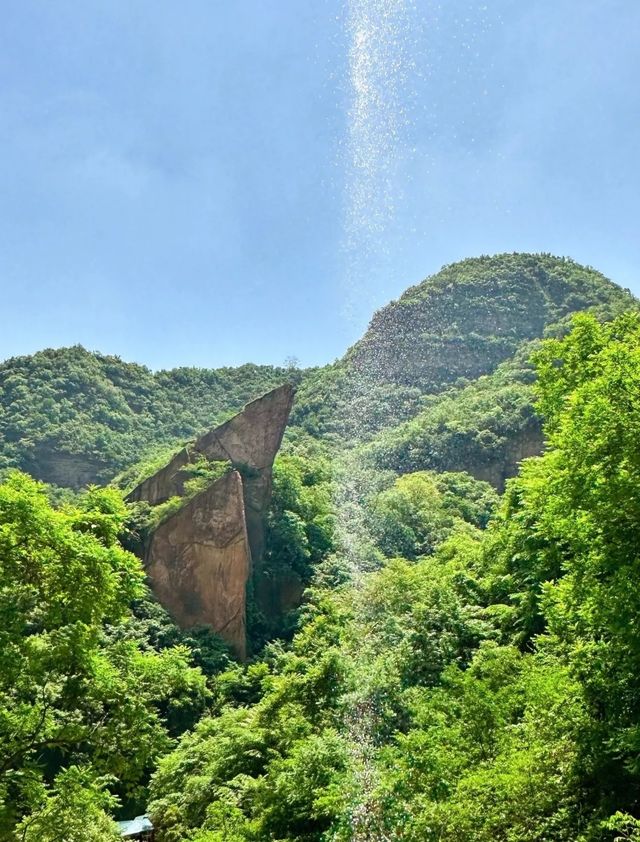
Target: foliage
(230,767)
(420,510)
(572,536)
(481,309)
(154,458)
(67,689)
(480,426)
(71,417)
(461,669)
(299,536)
(153,629)
(76,810)
(143,518)
(292,762)
(300,518)
(488,689)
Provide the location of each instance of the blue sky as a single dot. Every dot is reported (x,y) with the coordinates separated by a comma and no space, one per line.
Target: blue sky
(177,180)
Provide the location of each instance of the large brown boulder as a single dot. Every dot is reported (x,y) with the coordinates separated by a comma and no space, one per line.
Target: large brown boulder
(198,562)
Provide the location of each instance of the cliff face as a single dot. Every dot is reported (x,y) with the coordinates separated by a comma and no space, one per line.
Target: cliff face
(526,443)
(67,470)
(250,441)
(198,562)
(200,559)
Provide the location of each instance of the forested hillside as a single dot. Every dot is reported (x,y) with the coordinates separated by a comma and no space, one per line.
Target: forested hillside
(71,417)
(471,315)
(485,427)
(465,664)
(483,687)
(453,327)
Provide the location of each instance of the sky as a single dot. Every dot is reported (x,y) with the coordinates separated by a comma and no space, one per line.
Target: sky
(211,183)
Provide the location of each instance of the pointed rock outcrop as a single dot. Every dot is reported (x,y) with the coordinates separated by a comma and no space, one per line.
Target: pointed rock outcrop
(200,559)
(250,441)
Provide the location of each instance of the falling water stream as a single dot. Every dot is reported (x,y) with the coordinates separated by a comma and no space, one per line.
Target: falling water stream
(380,61)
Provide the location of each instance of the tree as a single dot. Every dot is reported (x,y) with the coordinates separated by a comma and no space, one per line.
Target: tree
(420,510)
(76,810)
(66,687)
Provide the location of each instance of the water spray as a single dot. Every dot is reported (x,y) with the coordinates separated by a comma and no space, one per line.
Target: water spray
(379,65)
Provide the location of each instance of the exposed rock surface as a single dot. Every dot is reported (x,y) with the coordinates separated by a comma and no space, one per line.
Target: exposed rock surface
(199,560)
(250,441)
(522,444)
(67,470)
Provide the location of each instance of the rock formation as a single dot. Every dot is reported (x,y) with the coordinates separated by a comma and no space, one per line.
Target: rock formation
(199,560)
(250,441)
(526,442)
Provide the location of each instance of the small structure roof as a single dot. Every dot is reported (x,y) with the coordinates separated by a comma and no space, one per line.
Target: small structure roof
(134,826)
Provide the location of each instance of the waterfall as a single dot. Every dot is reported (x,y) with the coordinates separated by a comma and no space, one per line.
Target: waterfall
(380,61)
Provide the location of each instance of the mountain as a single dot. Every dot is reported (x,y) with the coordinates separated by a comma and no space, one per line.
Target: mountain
(71,417)
(472,315)
(462,666)
(458,324)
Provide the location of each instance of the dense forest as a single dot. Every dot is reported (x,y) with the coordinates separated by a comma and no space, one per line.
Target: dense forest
(460,495)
